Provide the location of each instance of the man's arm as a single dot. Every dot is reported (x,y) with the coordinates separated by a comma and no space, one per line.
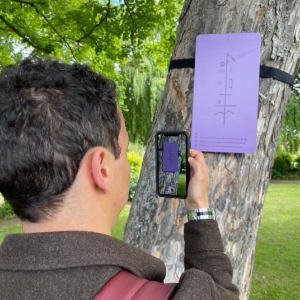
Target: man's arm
(208,271)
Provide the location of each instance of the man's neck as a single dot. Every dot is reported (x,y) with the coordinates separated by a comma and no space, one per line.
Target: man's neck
(72,217)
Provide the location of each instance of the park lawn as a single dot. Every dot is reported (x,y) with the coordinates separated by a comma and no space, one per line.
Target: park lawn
(276,274)
(4,230)
(118,229)
(181,184)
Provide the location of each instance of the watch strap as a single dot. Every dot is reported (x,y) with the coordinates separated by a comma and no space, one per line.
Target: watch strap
(201,214)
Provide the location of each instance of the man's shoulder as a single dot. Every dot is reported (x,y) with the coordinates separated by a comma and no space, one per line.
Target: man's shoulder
(68,249)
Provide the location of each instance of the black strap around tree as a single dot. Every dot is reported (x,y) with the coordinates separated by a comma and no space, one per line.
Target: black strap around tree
(269,72)
(266,72)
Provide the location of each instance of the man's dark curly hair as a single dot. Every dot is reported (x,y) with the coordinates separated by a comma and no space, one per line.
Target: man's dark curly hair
(51,114)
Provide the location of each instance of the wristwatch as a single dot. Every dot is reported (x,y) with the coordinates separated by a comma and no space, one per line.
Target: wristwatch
(201,214)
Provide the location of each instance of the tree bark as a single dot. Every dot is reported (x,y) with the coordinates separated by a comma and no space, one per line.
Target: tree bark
(238,182)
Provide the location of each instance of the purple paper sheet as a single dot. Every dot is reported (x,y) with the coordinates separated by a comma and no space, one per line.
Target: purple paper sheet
(170,157)
(225,102)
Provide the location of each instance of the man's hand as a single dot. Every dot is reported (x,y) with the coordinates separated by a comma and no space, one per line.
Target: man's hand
(199,182)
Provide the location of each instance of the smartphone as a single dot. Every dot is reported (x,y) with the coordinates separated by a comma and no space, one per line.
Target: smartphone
(172,168)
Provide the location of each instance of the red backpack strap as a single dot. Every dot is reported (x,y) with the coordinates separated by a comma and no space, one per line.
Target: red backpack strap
(126,286)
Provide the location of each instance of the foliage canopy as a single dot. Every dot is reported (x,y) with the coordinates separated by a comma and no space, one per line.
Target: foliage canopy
(98,32)
(105,34)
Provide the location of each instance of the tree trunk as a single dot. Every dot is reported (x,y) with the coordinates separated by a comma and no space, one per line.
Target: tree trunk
(238,182)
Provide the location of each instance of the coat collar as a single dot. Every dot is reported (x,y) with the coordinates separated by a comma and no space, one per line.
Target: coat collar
(59,250)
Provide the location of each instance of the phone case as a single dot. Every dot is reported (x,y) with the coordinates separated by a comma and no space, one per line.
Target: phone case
(165,158)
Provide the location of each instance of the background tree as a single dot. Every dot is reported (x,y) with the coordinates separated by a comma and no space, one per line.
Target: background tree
(143,83)
(238,181)
(289,140)
(105,34)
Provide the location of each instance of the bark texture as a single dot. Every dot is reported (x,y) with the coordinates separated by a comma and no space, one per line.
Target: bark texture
(238,182)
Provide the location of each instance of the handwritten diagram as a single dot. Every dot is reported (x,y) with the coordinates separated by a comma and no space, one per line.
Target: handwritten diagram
(228,87)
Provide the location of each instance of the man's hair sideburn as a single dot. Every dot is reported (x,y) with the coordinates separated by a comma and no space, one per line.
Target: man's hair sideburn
(51,114)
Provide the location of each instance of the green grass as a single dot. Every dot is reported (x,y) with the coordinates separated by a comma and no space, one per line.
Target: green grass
(118,229)
(276,274)
(8,230)
(181,184)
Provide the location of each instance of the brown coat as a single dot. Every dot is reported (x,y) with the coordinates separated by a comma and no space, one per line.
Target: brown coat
(75,265)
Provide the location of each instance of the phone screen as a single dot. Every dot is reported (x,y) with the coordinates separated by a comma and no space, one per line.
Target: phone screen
(172,168)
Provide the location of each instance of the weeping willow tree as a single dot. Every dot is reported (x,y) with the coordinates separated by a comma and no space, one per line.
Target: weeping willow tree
(144,84)
(290,131)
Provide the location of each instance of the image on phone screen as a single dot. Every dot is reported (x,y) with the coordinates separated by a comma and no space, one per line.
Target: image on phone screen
(172,170)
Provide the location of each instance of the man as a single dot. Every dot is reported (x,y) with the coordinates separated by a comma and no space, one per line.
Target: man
(64,171)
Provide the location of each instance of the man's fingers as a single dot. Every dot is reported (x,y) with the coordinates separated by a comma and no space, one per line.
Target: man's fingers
(196,165)
(197,156)
(199,181)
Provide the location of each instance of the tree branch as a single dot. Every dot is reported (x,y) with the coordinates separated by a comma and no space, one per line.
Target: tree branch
(87,34)
(54,29)
(32,4)
(97,46)
(133,27)
(21,35)
(27,2)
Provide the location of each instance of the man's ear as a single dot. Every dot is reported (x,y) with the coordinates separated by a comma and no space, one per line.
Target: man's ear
(100,169)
